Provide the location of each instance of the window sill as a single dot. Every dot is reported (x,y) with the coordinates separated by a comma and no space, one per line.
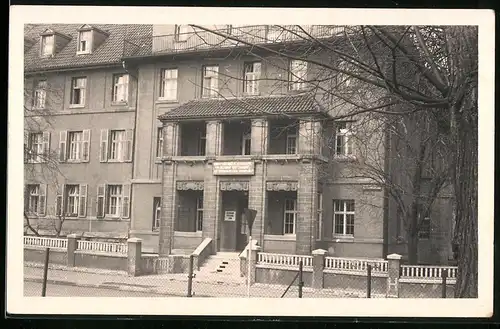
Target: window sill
(344,158)
(166,101)
(343,238)
(280,237)
(75,161)
(124,103)
(116,161)
(193,158)
(76,106)
(197,234)
(257,94)
(35,108)
(83,52)
(114,219)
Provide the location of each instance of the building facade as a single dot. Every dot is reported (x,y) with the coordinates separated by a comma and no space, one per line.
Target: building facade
(167,133)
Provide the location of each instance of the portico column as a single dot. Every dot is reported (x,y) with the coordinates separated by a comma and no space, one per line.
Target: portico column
(307,207)
(310,135)
(171,138)
(215,136)
(168,208)
(259,136)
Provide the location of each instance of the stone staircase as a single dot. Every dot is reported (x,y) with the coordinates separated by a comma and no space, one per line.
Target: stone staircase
(222,267)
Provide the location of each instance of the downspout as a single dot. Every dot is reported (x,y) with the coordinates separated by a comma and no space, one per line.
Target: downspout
(136,78)
(387,168)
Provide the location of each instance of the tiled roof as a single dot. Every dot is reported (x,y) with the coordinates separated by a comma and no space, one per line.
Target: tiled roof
(245,107)
(109,52)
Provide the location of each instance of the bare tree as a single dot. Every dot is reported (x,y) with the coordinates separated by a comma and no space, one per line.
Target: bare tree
(397,70)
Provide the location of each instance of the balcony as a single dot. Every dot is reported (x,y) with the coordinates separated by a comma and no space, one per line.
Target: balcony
(199,40)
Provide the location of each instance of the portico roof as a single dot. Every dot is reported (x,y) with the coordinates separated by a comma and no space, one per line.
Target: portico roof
(298,104)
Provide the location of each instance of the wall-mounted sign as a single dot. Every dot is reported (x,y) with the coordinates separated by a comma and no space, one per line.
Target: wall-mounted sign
(229,215)
(233,168)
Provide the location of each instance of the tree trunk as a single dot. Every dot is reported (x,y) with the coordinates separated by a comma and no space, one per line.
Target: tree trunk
(412,236)
(466,233)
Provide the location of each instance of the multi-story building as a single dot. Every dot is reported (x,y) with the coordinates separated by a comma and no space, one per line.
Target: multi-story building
(189,128)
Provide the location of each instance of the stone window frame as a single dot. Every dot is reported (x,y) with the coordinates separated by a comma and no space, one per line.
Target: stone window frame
(344,212)
(292,212)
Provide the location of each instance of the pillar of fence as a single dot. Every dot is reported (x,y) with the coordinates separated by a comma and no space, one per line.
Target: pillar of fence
(72,246)
(318,267)
(134,256)
(253,263)
(393,271)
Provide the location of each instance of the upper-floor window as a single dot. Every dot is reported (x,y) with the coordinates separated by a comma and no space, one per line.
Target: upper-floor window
(159,143)
(181,32)
(297,74)
(74,146)
(251,78)
(343,217)
(47,45)
(210,82)
(168,84)
(120,88)
(40,94)
(291,141)
(84,42)
(116,145)
(35,199)
(290,216)
(36,147)
(78,90)
(424,231)
(343,138)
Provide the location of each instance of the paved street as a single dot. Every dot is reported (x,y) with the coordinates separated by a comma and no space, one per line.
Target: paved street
(59,290)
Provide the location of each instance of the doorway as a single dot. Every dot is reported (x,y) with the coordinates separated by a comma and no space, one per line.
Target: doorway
(234,230)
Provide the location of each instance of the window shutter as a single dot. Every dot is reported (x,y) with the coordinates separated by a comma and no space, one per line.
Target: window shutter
(86,145)
(42,200)
(82,205)
(62,145)
(129,137)
(126,201)
(59,201)
(101,196)
(46,146)
(26,196)
(103,157)
(26,146)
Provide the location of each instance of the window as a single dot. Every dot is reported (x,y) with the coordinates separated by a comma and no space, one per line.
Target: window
(156,213)
(74,146)
(425,228)
(120,88)
(343,217)
(159,143)
(246,144)
(319,219)
(199,213)
(78,87)
(40,94)
(34,200)
(168,84)
(290,216)
(291,142)
(298,74)
(251,78)
(210,81)
(116,145)
(35,147)
(84,42)
(343,140)
(181,33)
(113,200)
(71,200)
(47,46)
(202,143)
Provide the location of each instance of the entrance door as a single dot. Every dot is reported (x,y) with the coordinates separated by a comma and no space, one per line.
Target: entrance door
(233,203)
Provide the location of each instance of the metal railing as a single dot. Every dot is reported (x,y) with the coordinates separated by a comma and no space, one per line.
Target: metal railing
(37,241)
(284,259)
(198,40)
(355,265)
(98,246)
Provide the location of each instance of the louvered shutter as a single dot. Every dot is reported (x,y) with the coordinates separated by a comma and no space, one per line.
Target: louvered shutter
(82,205)
(26,146)
(42,200)
(60,201)
(103,154)
(86,145)
(62,145)
(100,204)
(46,146)
(129,137)
(126,201)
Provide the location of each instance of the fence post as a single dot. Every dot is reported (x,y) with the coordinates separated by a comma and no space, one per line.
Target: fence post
(368,281)
(444,275)
(301,283)
(134,256)
(318,268)
(253,262)
(72,247)
(394,264)
(45,270)
(191,275)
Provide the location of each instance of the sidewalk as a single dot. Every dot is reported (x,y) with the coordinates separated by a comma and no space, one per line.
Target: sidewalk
(172,284)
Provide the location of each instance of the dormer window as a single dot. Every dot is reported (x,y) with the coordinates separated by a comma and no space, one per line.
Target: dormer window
(84,42)
(47,46)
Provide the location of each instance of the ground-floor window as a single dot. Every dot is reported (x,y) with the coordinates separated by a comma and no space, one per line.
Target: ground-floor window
(424,231)
(343,217)
(113,200)
(35,199)
(290,216)
(199,213)
(156,213)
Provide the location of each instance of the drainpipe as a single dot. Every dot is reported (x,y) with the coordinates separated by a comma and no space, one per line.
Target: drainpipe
(136,78)
(387,168)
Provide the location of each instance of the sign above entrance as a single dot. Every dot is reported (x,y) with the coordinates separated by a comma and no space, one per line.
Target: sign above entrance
(233,168)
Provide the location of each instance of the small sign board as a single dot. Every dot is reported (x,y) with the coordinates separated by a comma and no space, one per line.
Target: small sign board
(229,215)
(233,168)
